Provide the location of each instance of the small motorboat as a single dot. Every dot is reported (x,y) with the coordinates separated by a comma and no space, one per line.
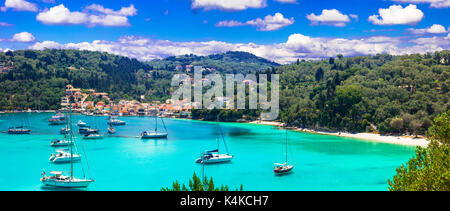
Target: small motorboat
(150,135)
(93,136)
(19,131)
(57,179)
(282,168)
(114,121)
(61,143)
(58,119)
(88,131)
(111,130)
(63,156)
(81,124)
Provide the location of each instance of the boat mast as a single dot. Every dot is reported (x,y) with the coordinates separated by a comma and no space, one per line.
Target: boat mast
(286,149)
(156,117)
(71,139)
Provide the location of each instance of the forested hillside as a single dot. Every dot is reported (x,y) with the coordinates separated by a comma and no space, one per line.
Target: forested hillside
(230,62)
(392,94)
(37,78)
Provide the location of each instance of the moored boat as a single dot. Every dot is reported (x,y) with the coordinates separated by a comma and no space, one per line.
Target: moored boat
(214,156)
(155,134)
(19,131)
(57,178)
(81,124)
(93,136)
(60,143)
(284,168)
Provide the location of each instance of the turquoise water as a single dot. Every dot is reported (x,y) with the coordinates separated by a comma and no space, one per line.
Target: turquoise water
(124,162)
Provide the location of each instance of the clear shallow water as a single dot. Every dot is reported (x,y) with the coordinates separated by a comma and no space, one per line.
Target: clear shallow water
(124,162)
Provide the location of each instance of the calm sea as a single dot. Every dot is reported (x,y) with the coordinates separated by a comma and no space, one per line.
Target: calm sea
(124,162)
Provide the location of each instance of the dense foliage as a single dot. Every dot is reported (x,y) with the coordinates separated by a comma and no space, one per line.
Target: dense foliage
(230,62)
(429,170)
(196,184)
(38,78)
(391,94)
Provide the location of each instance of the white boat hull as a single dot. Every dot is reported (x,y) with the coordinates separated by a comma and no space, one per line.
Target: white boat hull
(216,159)
(75,183)
(154,135)
(61,144)
(93,137)
(65,159)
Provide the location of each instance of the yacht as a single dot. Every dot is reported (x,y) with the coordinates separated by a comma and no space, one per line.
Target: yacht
(63,156)
(214,156)
(114,121)
(155,134)
(81,124)
(60,143)
(284,168)
(58,179)
(93,136)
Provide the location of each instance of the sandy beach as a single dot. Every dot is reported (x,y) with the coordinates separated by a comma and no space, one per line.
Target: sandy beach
(400,140)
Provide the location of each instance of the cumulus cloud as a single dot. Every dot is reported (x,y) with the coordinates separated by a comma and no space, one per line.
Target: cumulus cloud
(19,5)
(269,23)
(297,46)
(433,3)
(396,14)
(330,17)
(93,15)
(20,37)
(228,5)
(434,29)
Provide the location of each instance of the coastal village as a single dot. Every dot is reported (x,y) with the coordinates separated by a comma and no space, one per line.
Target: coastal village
(90,102)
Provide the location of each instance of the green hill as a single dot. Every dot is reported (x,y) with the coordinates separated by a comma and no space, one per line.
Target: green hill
(230,62)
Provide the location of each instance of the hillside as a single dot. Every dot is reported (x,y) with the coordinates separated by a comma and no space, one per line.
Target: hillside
(390,94)
(230,62)
(36,79)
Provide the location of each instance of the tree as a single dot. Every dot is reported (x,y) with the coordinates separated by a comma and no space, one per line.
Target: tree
(397,124)
(429,169)
(319,74)
(196,184)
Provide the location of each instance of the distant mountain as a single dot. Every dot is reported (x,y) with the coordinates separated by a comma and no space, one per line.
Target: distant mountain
(229,62)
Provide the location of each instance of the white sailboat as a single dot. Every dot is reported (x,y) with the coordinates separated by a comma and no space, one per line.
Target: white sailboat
(283,168)
(58,179)
(214,156)
(155,134)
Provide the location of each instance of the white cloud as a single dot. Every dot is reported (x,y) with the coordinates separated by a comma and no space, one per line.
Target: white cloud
(433,3)
(22,37)
(330,17)
(60,15)
(269,23)
(124,11)
(396,14)
(228,5)
(231,23)
(297,46)
(434,29)
(5,24)
(19,5)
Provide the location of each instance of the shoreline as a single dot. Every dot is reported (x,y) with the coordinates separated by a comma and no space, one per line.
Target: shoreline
(377,138)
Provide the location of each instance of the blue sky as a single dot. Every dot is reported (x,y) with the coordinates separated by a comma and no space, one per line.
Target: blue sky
(280,30)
